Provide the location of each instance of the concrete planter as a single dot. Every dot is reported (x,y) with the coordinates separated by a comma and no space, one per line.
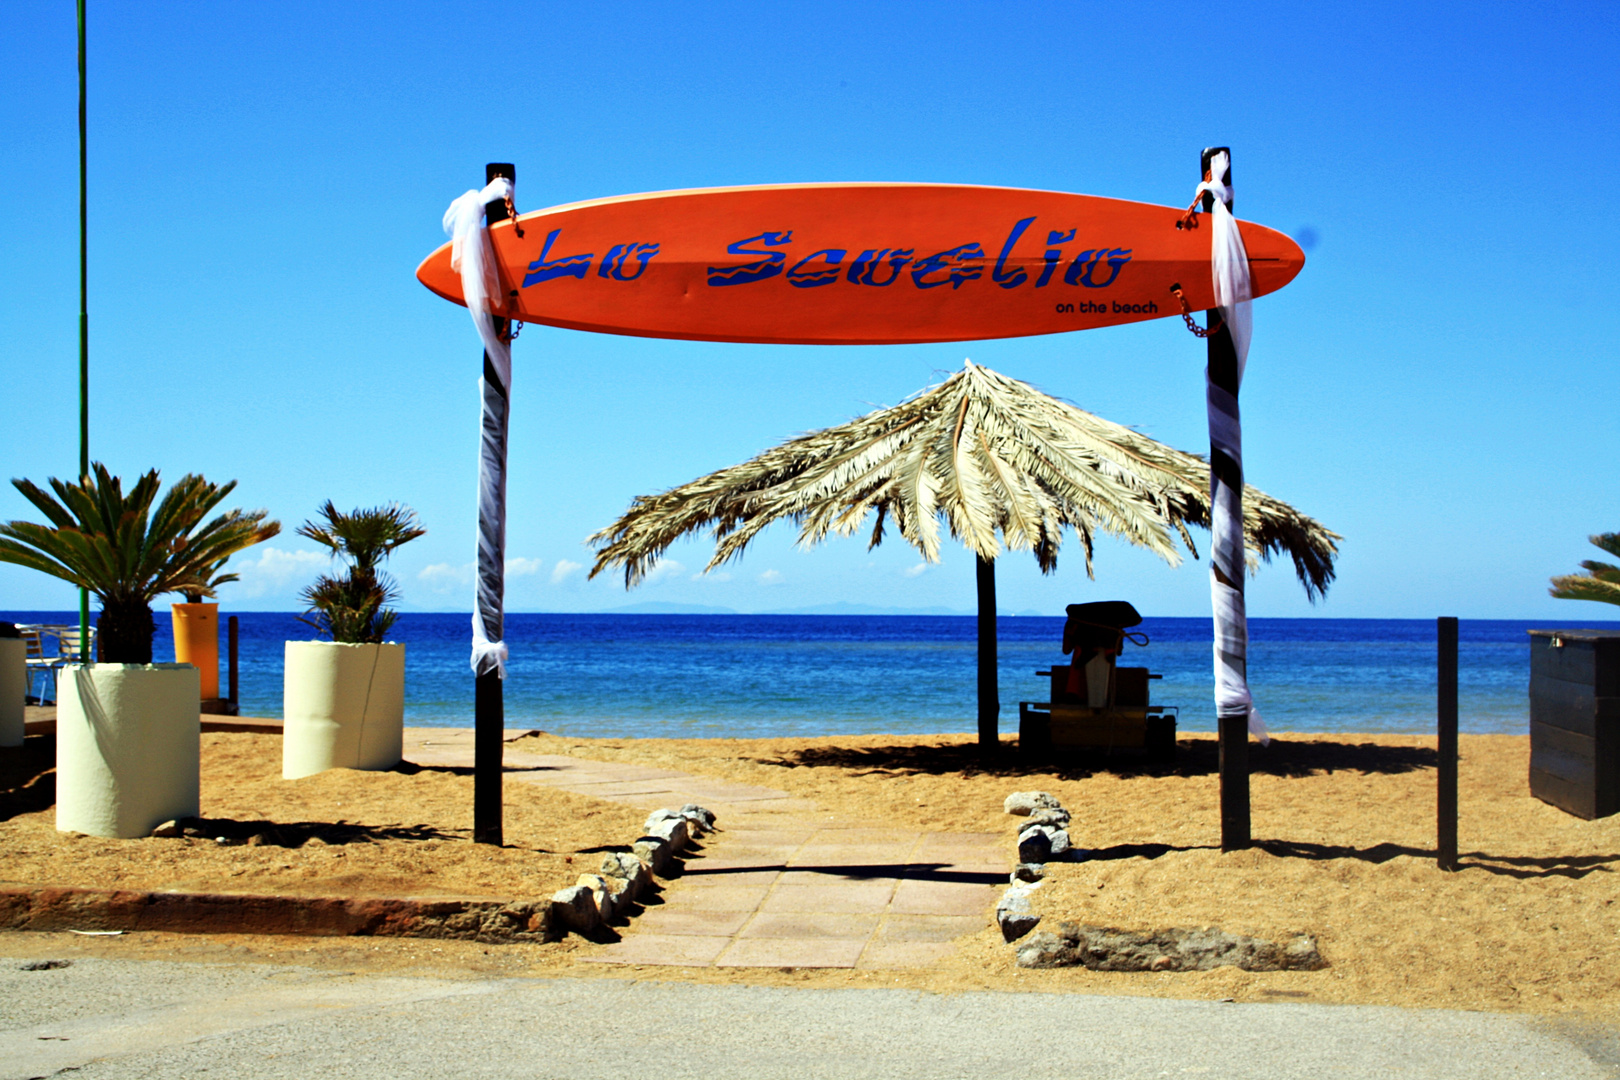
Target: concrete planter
(127,747)
(13,689)
(343,707)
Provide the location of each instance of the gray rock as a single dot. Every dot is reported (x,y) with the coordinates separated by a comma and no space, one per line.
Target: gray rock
(703,818)
(1058,819)
(1014,915)
(1108,949)
(1060,843)
(575,908)
(1035,844)
(622,866)
(674,831)
(1030,871)
(1025,802)
(655,852)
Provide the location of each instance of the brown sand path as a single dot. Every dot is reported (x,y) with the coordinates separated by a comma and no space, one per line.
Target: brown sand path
(777,886)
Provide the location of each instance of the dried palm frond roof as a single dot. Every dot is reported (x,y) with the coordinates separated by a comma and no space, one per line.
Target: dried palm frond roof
(986,453)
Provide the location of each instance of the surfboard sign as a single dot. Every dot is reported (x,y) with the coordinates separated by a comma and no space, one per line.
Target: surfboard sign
(856,264)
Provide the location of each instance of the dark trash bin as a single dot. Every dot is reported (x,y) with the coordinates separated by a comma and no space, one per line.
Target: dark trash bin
(1575,720)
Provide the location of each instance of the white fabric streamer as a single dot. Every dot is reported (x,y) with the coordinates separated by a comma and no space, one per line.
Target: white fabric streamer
(1229,265)
(472,256)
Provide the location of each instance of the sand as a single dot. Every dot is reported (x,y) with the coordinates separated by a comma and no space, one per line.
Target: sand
(1345,852)
(338,833)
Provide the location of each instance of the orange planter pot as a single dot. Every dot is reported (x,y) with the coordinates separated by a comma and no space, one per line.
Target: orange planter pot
(196,642)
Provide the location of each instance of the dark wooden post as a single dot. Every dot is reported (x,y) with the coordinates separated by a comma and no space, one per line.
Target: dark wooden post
(230,661)
(489,707)
(989,687)
(1234,730)
(1447,784)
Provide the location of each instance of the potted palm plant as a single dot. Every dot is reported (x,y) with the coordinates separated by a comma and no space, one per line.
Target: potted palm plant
(344,696)
(127,746)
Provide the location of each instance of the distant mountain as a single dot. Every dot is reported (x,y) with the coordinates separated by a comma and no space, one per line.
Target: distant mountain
(661,607)
(844,607)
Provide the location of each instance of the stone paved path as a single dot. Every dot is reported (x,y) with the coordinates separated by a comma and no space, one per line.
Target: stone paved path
(778,885)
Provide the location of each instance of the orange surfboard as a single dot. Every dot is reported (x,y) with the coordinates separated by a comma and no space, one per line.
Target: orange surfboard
(856,264)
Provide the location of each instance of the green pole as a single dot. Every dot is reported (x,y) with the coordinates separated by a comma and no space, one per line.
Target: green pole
(84,332)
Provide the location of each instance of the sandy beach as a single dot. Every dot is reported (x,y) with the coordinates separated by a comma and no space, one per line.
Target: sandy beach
(1344,828)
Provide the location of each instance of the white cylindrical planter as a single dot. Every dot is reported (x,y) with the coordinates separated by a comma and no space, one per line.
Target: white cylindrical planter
(343,707)
(13,689)
(128,747)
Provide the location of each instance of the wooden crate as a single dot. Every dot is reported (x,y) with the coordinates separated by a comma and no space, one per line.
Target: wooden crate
(1077,725)
(1575,720)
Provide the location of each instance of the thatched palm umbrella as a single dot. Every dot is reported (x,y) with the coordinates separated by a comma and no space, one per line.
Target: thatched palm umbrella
(989,455)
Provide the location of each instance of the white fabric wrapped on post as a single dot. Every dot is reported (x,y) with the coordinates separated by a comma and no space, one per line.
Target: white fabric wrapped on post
(1229,266)
(472,256)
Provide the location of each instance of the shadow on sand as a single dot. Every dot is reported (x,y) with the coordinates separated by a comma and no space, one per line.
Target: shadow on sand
(1194,757)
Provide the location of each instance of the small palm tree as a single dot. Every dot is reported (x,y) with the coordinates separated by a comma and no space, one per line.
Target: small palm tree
(353,608)
(128,552)
(1600,582)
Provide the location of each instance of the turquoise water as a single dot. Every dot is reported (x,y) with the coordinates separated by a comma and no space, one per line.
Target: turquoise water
(766,675)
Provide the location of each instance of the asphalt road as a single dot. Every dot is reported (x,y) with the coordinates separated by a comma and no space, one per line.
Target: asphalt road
(130,1018)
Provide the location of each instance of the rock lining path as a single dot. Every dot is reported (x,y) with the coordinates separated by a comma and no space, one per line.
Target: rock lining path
(778,885)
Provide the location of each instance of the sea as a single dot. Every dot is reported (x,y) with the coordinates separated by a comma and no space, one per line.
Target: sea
(757,676)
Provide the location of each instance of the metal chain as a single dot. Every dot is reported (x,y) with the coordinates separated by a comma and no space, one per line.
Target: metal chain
(511,214)
(1186,313)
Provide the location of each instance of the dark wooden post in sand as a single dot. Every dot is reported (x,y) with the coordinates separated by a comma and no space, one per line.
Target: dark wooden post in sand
(1234,730)
(489,707)
(232,637)
(1447,680)
(989,687)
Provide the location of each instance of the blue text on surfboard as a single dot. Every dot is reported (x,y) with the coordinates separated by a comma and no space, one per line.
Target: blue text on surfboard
(1091,268)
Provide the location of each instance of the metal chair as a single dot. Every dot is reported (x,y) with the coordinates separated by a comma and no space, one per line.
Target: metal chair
(64,640)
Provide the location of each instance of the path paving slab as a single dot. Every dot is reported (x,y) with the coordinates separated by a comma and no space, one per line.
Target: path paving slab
(779,885)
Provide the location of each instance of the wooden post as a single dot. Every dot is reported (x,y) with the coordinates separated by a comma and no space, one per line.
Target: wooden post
(230,660)
(1447,783)
(489,707)
(1224,471)
(989,688)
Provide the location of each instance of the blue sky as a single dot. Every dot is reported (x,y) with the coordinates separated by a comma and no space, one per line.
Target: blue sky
(1438,385)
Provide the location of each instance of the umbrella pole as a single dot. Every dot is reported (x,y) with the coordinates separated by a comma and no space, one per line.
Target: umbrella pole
(989,691)
(489,707)
(1227,473)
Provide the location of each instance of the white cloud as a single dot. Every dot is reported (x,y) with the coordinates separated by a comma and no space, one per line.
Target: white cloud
(666,569)
(563,570)
(444,578)
(913,571)
(770,577)
(522,567)
(277,570)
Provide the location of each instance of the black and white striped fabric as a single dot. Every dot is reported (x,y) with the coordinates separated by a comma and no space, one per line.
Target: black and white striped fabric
(472,256)
(1229,265)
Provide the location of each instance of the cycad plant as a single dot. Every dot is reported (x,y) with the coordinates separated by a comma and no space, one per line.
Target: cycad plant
(128,551)
(353,608)
(1600,582)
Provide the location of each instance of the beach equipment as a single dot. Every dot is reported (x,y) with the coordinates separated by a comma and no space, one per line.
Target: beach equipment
(1093,701)
(1001,464)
